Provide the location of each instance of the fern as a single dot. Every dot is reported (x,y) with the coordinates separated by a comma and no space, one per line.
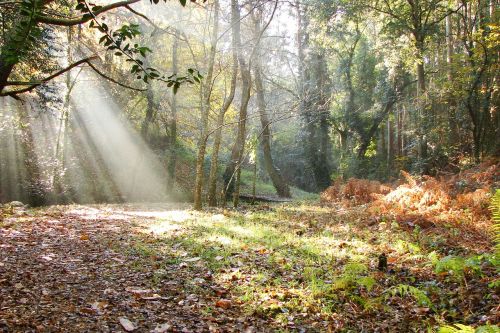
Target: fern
(495,213)
(459,328)
(354,274)
(366,281)
(458,265)
(407,290)
(355,268)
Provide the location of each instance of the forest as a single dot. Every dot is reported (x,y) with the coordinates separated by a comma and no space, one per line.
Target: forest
(250,166)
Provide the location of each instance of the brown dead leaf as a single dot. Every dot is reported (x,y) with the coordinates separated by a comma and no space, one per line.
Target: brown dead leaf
(219,291)
(84,237)
(138,291)
(153,297)
(223,303)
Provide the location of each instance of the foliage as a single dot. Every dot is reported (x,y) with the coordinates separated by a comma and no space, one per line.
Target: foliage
(407,290)
(355,191)
(24,35)
(457,266)
(117,41)
(495,212)
(354,274)
(460,328)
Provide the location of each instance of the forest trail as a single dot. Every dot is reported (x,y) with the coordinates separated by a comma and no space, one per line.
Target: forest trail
(289,267)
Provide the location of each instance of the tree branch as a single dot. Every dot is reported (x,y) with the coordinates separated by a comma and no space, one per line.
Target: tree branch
(33,85)
(113,80)
(83,19)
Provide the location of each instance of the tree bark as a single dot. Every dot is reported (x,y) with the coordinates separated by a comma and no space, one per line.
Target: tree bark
(452,107)
(205,110)
(172,124)
(232,173)
(278,181)
(212,187)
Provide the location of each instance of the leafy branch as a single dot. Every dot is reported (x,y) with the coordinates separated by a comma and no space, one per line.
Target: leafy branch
(118,41)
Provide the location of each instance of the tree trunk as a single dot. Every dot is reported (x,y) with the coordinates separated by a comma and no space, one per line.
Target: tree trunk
(205,111)
(172,124)
(149,113)
(313,104)
(452,107)
(37,194)
(278,182)
(212,187)
(422,110)
(233,170)
(320,131)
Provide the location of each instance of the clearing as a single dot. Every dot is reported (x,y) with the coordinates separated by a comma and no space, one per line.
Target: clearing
(281,267)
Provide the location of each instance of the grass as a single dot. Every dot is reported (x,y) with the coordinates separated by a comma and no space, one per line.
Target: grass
(296,259)
(267,189)
(295,266)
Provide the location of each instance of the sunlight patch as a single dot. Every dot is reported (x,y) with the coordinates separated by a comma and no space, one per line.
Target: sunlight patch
(224,240)
(162,227)
(172,215)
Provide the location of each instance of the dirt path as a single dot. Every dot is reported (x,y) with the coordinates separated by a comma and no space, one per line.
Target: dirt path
(65,271)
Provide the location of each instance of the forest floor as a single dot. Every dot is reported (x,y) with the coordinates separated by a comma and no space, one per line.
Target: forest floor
(295,267)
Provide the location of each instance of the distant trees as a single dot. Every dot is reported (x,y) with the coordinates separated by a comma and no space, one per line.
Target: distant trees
(405,78)
(314,94)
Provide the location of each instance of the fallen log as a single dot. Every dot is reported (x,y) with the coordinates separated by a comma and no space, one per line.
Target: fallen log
(263,198)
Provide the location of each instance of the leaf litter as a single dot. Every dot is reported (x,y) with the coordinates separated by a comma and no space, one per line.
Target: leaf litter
(292,267)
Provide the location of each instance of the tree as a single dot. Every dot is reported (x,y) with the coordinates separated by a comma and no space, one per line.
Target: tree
(29,18)
(205,110)
(228,100)
(232,172)
(314,101)
(279,183)
(419,19)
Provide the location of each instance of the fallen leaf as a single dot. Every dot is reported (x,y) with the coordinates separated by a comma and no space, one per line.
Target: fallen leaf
(84,237)
(223,303)
(162,328)
(99,306)
(127,324)
(192,259)
(153,297)
(219,291)
(198,280)
(138,291)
